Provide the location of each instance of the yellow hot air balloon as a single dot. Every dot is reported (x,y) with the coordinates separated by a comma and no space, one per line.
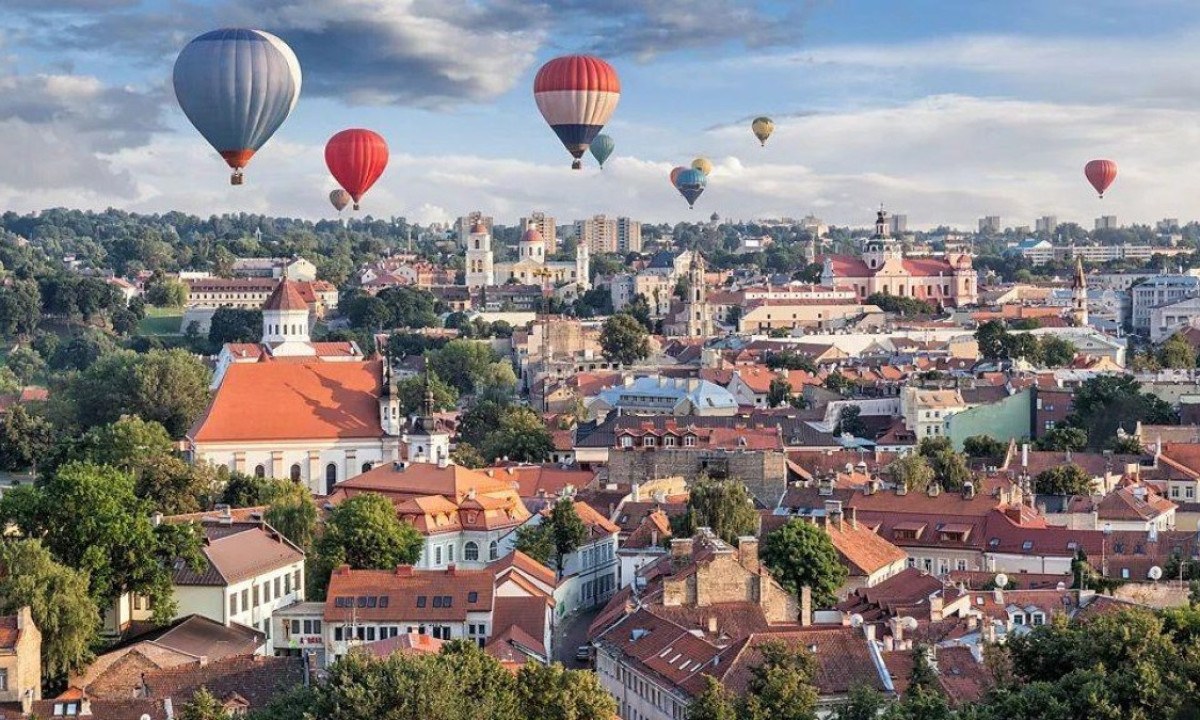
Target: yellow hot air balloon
(762,127)
(704,165)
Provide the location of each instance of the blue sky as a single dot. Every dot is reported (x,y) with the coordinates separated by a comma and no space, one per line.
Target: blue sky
(943,110)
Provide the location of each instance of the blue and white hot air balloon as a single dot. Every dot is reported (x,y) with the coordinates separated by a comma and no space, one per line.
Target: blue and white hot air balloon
(237,86)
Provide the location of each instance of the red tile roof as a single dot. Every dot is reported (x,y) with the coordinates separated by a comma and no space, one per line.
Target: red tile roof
(407,594)
(286,296)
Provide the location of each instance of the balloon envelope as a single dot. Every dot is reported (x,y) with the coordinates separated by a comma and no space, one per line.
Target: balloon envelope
(339,199)
(704,165)
(356,158)
(675,173)
(1101,174)
(577,94)
(762,127)
(602,147)
(237,86)
(691,183)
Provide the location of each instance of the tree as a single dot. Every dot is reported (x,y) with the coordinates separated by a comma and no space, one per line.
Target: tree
(58,598)
(1126,445)
(801,554)
(410,307)
(1055,351)
(838,383)
(901,305)
(203,706)
(1108,402)
(789,360)
(992,339)
(20,307)
(82,350)
(724,506)
(716,702)
(166,386)
(911,471)
(1177,353)
(235,325)
(294,514)
(924,678)
(551,692)
(781,687)
(25,363)
(466,455)
(850,422)
(624,339)
(521,437)
(89,517)
(559,534)
(243,490)
(863,703)
(779,392)
(411,393)
(983,446)
(536,542)
(364,533)
(174,487)
(1069,479)
(165,292)
(1063,438)
(24,439)
(950,469)
(470,366)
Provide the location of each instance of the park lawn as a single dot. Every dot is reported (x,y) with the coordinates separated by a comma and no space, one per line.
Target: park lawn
(161,321)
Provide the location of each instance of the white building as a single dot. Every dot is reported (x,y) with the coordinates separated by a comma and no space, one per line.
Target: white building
(1171,317)
(481,271)
(925,411)
(544,224)
(464,225)
(1160,290)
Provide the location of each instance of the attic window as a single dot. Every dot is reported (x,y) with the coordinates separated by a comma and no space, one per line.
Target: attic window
(383,601)
(447,601)
(1027,545)
(437,601)
(1072,545)
(372,601)
(362,601)
(994,543)
(472,597)
(420,601)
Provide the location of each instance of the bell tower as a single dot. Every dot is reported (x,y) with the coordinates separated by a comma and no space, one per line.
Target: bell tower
(880,248)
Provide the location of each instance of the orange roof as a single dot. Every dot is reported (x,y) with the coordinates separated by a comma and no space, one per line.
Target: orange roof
(286,296)
(861,549)
(757,378)
(597,524)
(291,401)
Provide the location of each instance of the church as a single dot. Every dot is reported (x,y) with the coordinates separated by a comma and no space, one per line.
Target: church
(531,266)
(942,281)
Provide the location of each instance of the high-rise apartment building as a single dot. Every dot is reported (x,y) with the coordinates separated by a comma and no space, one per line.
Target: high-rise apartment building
(604,234)
(990,225)
(898,224)
(1106,222)
(1046,224)
(464,224)
(544,224)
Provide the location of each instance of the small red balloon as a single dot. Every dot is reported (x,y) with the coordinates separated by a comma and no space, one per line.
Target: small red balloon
(1101,174)
(356,158)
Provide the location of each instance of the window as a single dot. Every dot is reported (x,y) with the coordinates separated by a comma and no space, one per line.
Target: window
(260,471)
(330,477)
(233,604)
(420,601)
(449,553)
(493,550)
(1039,618)
(287,584)
(472,597)
(689,441)
(338,632)
(626,441)
(246,599)
(278,585)
(669,441)
(266,591)
(960,564)
(648,441)
(294,474)
(255,596)
(296,580)
(471,551)
(437,555)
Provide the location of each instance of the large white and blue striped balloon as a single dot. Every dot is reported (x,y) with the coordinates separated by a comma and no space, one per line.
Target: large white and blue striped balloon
(237,86)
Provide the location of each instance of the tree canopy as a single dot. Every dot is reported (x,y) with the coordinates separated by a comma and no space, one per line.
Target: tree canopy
(624,339)
(801,554)
(724,506)
(364,533)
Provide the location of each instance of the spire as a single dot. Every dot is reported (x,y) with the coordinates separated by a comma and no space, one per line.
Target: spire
(427,406)
(1080,280)
(881,223)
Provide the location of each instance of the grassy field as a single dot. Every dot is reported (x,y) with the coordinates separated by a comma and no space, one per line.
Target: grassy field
(161,321)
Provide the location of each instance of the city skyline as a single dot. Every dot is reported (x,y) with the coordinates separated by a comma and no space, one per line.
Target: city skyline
(944,116)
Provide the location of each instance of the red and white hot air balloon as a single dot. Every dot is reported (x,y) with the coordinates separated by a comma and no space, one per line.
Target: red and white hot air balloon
(356,158)
(1101,174)
(577,94)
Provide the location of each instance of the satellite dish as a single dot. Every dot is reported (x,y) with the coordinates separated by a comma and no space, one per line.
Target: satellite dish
(1062,586)
(1156,573)
(856,620)
(908,623)
(1001,581)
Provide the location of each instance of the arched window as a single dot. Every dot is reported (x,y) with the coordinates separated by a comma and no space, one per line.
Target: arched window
(260,471)
(295,472)
(330,477)
(470,551)
(493,550)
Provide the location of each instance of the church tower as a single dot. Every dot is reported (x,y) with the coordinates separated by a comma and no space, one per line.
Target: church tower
(699,314)
(427,439)
(531,247)
(880,248)
(1079,311)
(480,261)
(583,267)
(285,321)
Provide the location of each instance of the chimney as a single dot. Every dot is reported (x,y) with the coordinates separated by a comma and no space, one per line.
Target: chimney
(937,606)
(747,547)
(968,490)
(712,624)
(897,632)
(998,596)
(853,515)
(654,538)
(168,709)
(636,492)
(681,548)
(203,660)
(805,606)
(1024,455)
(343,570)
(833,513)
(934,489)
(869,631)
(156,519)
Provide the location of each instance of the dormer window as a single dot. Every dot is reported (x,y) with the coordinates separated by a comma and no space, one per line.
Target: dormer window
(626,441)
(648,441)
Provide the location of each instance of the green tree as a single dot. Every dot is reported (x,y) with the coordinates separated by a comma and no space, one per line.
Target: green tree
(20,307)
(901,305)
(779,392)
(781,687)
(173,487)
(470,366)
(411,392)
(1177,353)
(81,350)
(1126,445)
(950,469)
(521,437)
(562,531)
(850,422)
(838,383)
(924,678)
(993,342)
(911,471)
(235,325)
(624,339)
(715,702)
(551,692)
(536,542)
(364,533)
(1063,438)
(89,517)
(984,446)
(466,455)
(1056,352)
(166,386)
(203,706)
(724,506)
(242,490)
(294,513)
(801,554)
(25,363)
(1069,479)
(24,439)
(165,292)
(58,598)
(789,360)
(1108,402)
(863,703)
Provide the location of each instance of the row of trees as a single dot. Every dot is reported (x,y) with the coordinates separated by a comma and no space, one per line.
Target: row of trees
(997,343)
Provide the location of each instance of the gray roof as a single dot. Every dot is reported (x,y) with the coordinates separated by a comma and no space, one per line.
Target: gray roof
(795,429)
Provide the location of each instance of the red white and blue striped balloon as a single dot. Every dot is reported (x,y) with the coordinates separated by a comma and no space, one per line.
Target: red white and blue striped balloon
(577,94)
(237,86)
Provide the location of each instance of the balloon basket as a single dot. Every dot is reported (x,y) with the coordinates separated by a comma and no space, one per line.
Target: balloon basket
(236,179)
(577,165)
(355,206)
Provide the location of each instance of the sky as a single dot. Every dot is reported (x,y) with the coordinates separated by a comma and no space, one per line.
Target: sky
(944,111)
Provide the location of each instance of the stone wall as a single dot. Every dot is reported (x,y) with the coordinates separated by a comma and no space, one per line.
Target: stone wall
(763,471)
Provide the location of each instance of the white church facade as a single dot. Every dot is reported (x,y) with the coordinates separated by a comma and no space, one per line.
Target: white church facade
(531,267)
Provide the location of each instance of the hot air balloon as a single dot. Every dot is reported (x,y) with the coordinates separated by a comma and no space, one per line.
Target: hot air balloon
(675,173)
(339,199)
(704,165)
(237,86)
(356,158)
(576,94)
(762,128)
(602,147)
(1101,174)
(691,183)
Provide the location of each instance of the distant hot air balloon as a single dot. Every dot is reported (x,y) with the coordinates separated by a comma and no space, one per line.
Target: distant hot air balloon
(690,183)
(356,158)
(577,94)
(602,147)
(762,128)
(237,86)
(340,199)
(1101,174)
(675,173)
(704,165)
